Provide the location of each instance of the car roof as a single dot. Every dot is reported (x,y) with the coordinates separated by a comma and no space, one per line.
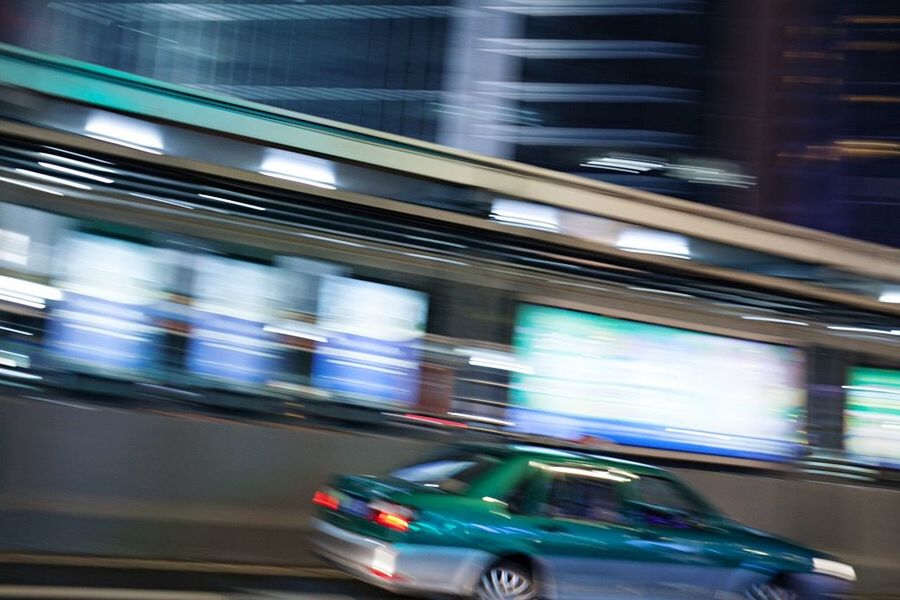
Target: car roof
(549,453)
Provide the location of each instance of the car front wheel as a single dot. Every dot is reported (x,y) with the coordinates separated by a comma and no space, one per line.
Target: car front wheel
(505,580)
(769,591)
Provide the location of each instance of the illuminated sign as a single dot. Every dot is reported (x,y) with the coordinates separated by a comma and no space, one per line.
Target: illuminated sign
(104,319)
(372,349)
(233,302)
(872,415)
(640,384)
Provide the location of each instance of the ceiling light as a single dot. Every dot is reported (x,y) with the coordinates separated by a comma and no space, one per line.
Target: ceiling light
(660,243)
(302,169)
(125,131)
(525,214)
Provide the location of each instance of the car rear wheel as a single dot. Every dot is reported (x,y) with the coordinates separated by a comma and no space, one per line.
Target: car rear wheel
(506,580)
(769,591)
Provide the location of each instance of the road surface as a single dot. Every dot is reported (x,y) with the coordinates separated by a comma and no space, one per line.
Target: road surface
(62,582)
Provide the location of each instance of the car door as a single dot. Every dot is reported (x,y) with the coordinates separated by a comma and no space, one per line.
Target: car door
(581,534)
(689,555)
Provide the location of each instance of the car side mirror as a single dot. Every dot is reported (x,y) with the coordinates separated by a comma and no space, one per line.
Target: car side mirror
(515,506)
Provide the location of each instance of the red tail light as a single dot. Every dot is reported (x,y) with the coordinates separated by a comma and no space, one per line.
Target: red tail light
(392,516)
(392,521)
(326,500)
(386,575)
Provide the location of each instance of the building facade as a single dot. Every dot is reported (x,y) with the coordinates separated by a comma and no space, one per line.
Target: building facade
(784,109)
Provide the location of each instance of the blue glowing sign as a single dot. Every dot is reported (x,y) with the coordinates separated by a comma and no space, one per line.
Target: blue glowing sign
(104,321)
(372,351)
(233,302)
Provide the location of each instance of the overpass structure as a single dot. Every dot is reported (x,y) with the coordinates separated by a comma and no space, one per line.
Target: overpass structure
(387,167)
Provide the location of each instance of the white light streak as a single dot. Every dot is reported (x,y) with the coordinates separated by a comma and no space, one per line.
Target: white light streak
(481,419)
(30,302)
(500,365)
(436,259)
(234,202)
(774,320)
(75,172)
(13,285)
(163,200)
(306,335)
(104,138)
(629,165)
(74,154)
(663,292)
(332,240)
(77,163)
(864,330)
(14,330)
(19,374)
(32,186)
(52,179)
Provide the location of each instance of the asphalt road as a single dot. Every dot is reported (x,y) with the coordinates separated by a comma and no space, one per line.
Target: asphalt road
(194,581)
(34,581)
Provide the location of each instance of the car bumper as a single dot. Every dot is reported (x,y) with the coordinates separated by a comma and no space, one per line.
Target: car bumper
(818,586)
(401,568)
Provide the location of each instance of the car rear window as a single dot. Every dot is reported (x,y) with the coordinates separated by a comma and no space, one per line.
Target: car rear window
(453,473)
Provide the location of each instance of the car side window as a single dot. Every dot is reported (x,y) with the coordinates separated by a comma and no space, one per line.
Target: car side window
(663,503)
(452,474)
(583,498)
(664,494)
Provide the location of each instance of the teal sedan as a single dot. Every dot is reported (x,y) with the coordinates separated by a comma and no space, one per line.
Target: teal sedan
(520,523)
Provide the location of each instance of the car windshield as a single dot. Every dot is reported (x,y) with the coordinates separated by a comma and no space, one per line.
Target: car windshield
(454,473)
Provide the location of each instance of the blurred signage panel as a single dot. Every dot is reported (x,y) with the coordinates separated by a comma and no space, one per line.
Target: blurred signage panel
(301,286)
(233,302)
(14,247)
(873,415)
(625,382)
(372,351)
(104,320)
(28,238)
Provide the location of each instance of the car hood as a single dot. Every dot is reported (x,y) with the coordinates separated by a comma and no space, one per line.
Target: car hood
(774,543)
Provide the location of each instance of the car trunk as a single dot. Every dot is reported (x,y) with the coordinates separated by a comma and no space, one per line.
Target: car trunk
(357,493)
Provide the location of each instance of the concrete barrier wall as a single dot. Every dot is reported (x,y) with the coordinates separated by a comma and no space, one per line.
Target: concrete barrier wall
(100,481)
(125,483)
(859,524)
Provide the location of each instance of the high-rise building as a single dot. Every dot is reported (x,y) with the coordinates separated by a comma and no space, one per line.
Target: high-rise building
(786,109)
(809,102)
